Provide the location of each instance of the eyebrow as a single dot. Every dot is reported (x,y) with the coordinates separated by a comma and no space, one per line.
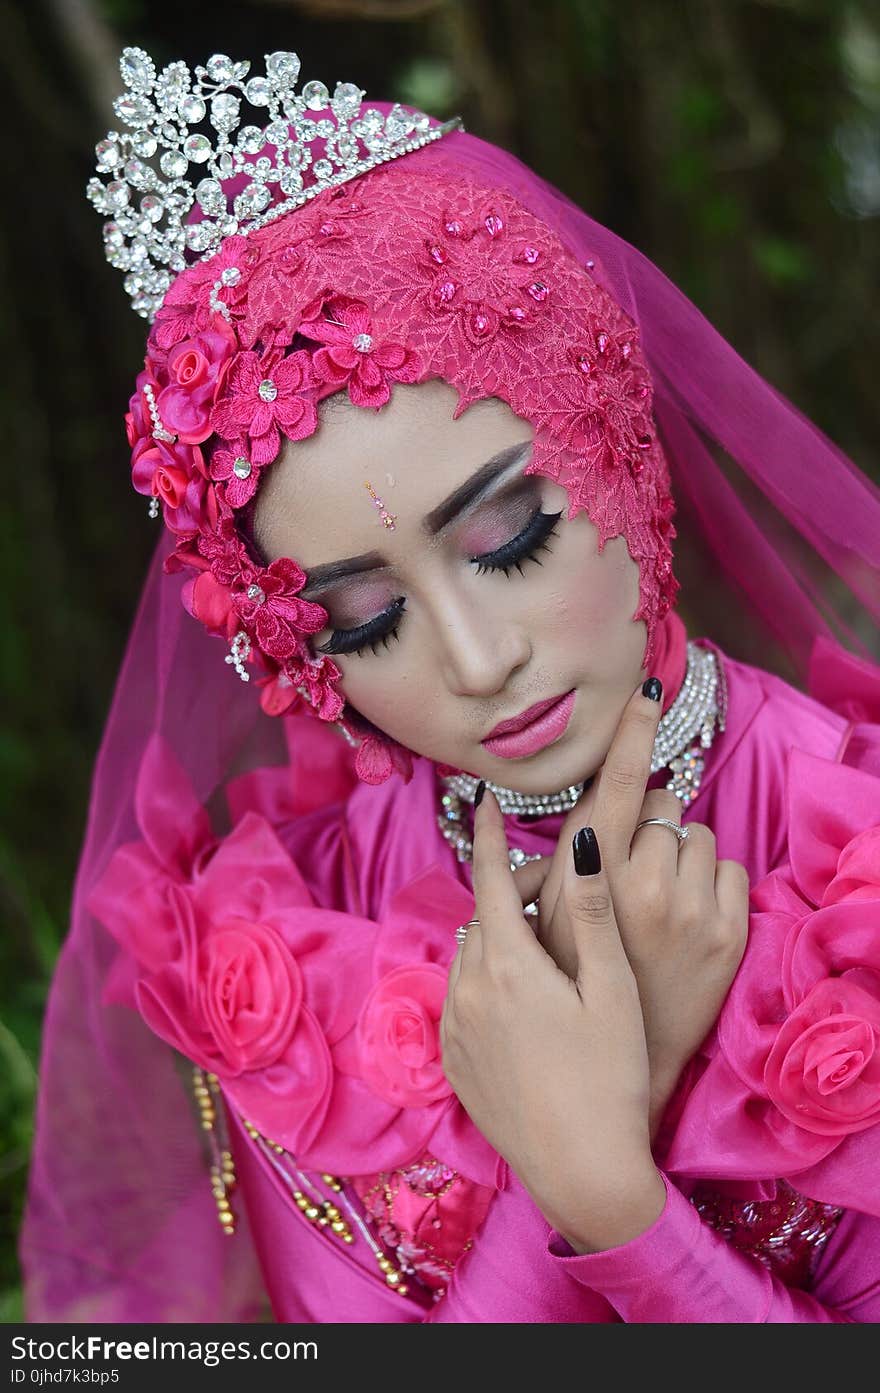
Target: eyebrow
(465,496)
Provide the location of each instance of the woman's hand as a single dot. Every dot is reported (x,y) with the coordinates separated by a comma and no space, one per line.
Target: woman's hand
(554,1071)
(682,914)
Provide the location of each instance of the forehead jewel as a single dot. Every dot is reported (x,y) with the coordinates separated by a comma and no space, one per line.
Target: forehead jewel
(186,137)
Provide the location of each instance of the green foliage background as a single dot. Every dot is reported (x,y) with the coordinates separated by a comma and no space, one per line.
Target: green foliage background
(737,142)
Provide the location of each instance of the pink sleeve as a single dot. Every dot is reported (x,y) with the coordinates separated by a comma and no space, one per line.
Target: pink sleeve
(509,1276)
(681,1271)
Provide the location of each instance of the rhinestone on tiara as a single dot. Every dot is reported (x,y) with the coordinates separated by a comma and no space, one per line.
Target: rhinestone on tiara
(319,141)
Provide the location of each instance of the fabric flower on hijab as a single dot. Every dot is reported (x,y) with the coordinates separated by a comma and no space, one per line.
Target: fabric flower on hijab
(279,689)
(175,474)
(138,421)
(267,603)
(219,558)
(482,274)
(318,677)
(378,758)
(262,395)
(294,267)
(277,692)
(357,353)
(792,1083)
(194,372)
(187,310)
(231,465)
(598,415)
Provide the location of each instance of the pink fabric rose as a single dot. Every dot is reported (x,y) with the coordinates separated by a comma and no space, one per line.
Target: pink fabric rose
(175,474)
(211,603)
(138,421)
(399,1036)
(251,992)
(230,961)
(823,1071)
(225,955)
(789,1084)
(195,371)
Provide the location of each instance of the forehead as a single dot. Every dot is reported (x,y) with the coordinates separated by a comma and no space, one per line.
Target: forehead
(314,504)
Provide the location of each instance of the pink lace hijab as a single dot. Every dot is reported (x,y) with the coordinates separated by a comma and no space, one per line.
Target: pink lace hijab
(454,262)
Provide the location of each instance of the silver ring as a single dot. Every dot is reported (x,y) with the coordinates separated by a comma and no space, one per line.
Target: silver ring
(680,832)
(462,931)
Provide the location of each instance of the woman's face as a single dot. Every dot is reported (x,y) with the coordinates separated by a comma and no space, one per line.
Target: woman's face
(450,643)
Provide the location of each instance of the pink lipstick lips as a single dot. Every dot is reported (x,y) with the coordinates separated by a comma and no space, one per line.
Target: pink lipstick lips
(531,730)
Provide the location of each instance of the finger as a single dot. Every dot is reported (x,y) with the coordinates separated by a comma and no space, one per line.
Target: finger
(499,906)
(732,890)
(454,973)
(697,855)
(624,774)
(467,954)
(581,815)
(656,847)
(529,879)
(732,896)
(587,897)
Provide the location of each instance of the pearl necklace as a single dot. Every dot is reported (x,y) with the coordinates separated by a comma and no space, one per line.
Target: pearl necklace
(685,731)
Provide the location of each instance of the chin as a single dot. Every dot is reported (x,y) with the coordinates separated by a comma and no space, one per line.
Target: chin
(568,761)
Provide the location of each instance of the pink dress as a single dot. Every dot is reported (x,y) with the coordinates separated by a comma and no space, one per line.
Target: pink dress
(792,785)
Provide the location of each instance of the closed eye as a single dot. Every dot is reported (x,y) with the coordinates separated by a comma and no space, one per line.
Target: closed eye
(513,555)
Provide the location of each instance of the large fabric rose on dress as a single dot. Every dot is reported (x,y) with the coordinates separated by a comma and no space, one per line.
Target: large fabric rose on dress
(228,958)
(225,952)
(791,1079)
(399,1036)
(823,1071)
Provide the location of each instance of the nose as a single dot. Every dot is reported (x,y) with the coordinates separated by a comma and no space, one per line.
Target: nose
(481,646)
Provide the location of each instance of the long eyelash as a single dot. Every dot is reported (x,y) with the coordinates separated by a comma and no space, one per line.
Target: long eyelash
(383,639)
(364,636)
(512,556)
(518,565)
(525,547)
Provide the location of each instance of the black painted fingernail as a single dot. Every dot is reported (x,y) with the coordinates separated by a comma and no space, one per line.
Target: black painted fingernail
(652,689)
(587,860)
(478,796)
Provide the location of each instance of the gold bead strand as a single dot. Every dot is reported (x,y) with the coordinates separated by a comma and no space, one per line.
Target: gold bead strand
(206,1088)
(321,1212)
(307,1198)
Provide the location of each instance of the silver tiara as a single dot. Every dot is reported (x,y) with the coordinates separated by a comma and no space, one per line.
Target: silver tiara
(147,196)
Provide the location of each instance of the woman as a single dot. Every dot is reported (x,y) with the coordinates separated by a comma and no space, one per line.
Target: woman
(390,372)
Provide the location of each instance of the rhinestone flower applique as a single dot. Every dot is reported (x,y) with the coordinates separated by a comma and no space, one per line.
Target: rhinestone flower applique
(482,275)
